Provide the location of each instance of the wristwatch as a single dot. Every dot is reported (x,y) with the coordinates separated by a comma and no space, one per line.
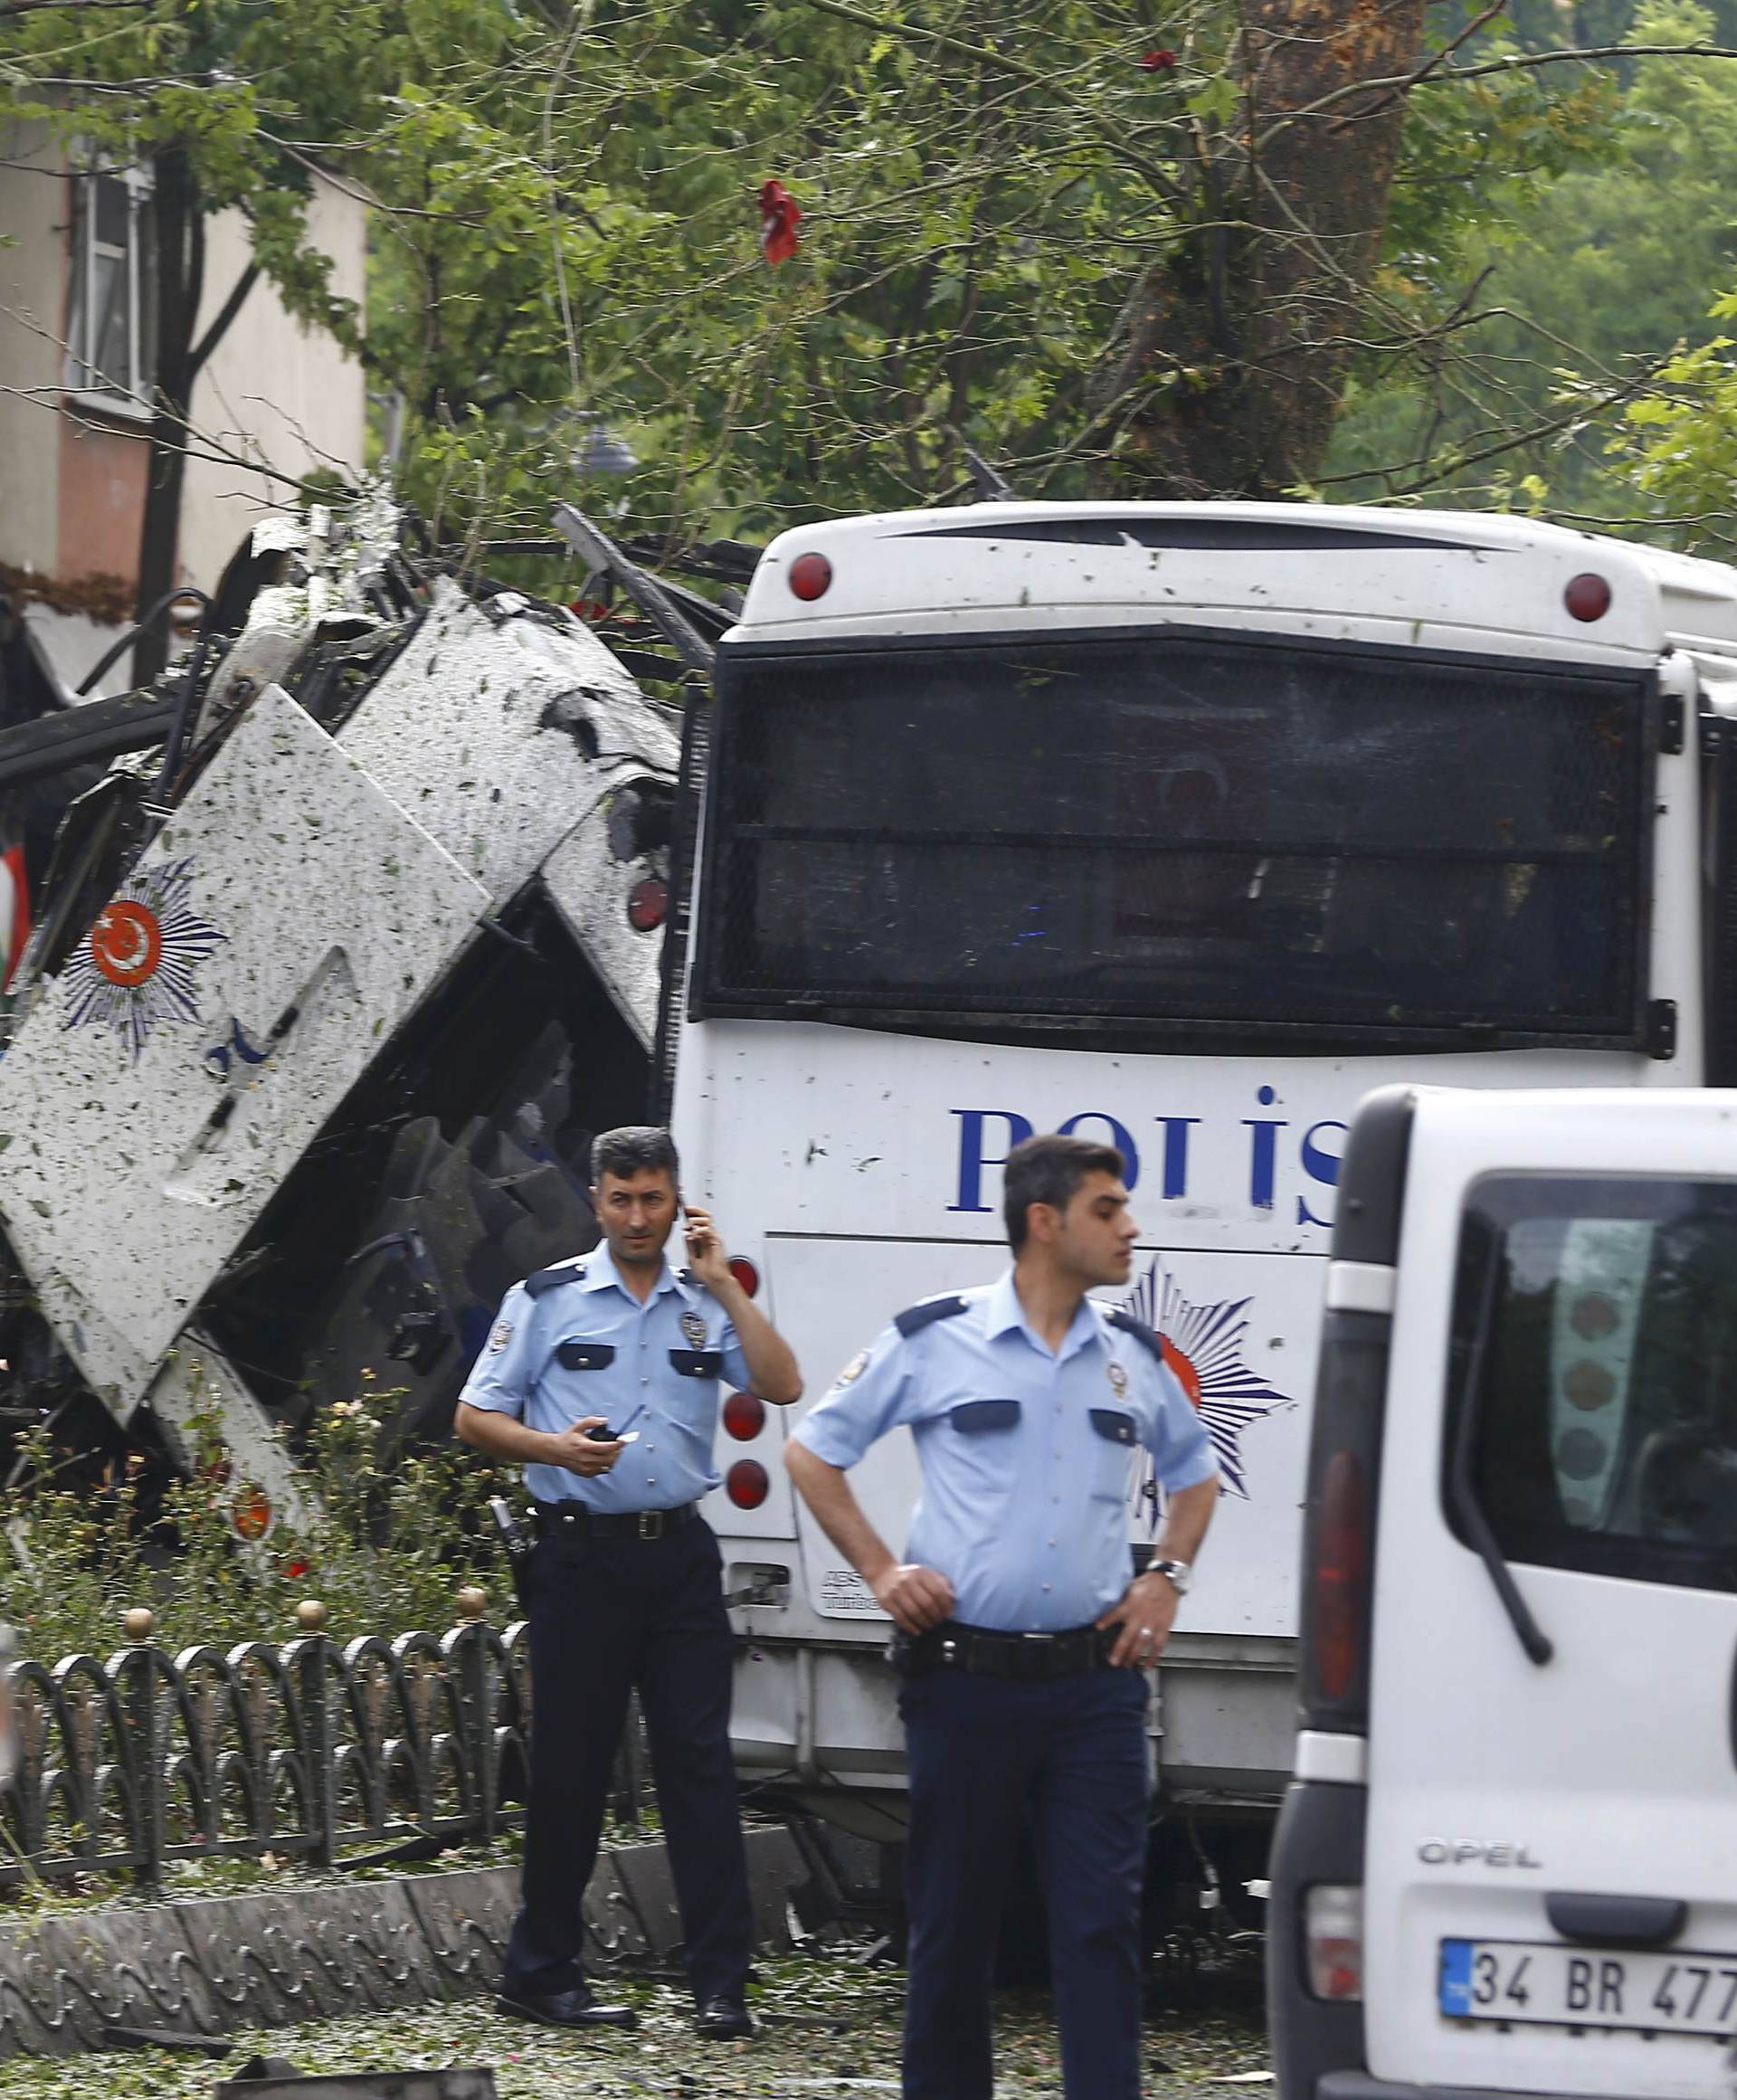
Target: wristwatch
(1179,1572)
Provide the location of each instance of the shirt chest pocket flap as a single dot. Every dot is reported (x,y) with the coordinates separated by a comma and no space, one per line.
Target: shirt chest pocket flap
(585,1355)
(974,1418)
(1112,1446)
(698,1362)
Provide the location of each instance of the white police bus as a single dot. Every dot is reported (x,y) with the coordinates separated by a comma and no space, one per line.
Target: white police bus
(1181,826)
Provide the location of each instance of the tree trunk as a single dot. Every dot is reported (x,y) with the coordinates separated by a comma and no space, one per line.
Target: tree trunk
(179,223)
(1229,359)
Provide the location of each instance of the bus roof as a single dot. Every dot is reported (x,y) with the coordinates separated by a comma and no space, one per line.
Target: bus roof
(1435,578)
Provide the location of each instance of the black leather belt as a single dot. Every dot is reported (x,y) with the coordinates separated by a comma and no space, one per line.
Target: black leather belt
(576,1521)
(986,1653)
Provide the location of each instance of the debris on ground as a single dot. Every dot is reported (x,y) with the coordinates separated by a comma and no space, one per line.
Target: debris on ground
(828,2027)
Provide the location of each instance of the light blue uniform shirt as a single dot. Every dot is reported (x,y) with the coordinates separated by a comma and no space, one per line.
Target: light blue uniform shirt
(562,1350)
(1025,1454)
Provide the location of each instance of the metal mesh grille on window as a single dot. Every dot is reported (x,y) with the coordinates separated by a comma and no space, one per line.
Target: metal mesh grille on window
(1181,830)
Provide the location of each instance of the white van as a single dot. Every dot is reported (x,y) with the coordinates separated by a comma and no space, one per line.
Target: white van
(1508,1861)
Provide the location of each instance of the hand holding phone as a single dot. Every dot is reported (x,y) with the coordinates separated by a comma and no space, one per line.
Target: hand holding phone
(705,1254)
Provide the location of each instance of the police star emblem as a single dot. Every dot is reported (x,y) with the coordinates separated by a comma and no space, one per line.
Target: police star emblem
(1118,1379)
(498,1340)
(854,1370)
(693,1325)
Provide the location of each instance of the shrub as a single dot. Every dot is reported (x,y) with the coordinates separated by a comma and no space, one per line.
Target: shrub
(384,1539)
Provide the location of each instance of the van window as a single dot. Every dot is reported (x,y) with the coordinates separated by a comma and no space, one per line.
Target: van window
(1598,1321)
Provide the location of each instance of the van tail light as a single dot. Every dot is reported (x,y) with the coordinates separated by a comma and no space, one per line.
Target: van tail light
(1339,1623)
(746,1274)
(1332,1939)
(748,1484)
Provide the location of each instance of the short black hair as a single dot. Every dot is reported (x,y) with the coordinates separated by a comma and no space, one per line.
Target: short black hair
(632,1149)
(1049,1170)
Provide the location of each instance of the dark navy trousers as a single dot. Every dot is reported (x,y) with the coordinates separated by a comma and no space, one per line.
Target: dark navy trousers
(981,1751)
(608,1616)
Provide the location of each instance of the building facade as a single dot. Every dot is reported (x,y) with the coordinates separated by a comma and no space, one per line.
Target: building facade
(76,330)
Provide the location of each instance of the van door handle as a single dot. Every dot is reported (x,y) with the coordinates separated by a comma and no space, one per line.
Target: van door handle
(1616,1921)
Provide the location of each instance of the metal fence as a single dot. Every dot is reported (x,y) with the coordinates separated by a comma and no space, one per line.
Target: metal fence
(315,1751)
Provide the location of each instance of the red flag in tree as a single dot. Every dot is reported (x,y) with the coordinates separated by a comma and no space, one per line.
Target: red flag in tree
(780,215)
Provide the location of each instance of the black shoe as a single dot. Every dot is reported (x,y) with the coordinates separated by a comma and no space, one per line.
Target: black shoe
(574,2007)
(724,2020)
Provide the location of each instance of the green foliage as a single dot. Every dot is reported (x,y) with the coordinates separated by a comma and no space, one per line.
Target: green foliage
(978,186)
(565,225)
(386,1542)
(1598,240)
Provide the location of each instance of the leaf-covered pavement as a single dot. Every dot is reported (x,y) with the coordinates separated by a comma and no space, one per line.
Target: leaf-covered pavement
(830,2030)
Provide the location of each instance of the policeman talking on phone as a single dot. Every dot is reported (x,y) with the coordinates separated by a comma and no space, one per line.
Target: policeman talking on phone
(601,1376)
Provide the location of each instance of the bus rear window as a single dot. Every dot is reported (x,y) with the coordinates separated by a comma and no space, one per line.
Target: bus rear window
(1597,1320)
(1172,830)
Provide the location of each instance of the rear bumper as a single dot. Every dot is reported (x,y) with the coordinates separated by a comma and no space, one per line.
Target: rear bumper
(1359,2086)
(1319,1838)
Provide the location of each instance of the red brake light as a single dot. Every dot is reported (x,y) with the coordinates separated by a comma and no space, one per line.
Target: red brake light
(1340,1576)
(748,1484)
(744,1415)
(1587,597)
(647,902)
(746,1274)
(810,576)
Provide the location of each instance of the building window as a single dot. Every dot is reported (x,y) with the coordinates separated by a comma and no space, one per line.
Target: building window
(110,318)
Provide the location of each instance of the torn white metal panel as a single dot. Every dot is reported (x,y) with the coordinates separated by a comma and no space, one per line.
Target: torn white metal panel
(197,1380)
(590,886)
(276,632)
(261,952)
(69,645)
(534,725)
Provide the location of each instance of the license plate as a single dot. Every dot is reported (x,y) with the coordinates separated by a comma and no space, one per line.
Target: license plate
(1514,1980)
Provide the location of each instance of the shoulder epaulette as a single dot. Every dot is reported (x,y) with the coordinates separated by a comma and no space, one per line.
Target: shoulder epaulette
(914,1318)
(547,1280)
(688,1277)
(1148,1338)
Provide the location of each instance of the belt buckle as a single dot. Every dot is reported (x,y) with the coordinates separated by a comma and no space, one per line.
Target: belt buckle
(650,1524)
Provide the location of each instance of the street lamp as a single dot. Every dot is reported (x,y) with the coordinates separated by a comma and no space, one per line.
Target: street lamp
(599,451)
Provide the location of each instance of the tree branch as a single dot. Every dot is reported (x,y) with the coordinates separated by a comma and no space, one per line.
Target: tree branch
(1433,74)
(220,319)
(1003,62)
(10,7)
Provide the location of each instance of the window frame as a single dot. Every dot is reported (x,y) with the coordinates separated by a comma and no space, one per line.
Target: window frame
(83,382)
(706,1000)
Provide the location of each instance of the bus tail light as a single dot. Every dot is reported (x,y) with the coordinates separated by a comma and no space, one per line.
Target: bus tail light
(1340,1619)
(748,1484)
(810,577)
(647,902)
(1587,597)
(1332,1939)
(746,1274)
(745,1416)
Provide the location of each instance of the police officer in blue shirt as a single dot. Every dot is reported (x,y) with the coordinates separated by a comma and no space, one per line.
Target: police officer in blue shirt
(601,1376)
(1021,1638)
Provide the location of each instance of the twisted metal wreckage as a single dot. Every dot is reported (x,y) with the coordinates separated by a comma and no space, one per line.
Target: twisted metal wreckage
(337,968)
